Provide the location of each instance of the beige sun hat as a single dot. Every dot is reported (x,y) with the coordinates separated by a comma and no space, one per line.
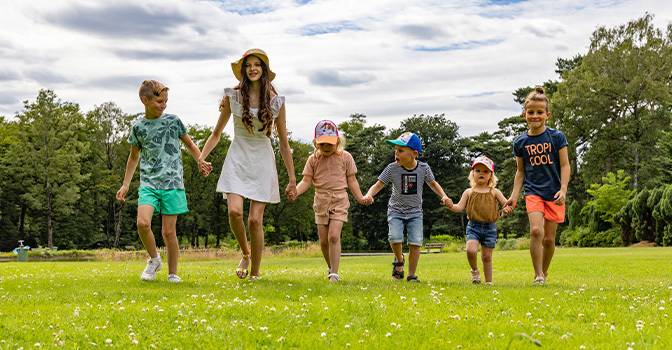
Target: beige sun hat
(235,66)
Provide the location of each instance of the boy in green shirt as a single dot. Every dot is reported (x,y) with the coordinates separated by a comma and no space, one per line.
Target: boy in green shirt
(155,144)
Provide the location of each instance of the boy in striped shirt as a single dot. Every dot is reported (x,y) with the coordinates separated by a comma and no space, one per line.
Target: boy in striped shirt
(404,209)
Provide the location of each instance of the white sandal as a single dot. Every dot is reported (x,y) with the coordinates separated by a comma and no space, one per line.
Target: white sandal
(475,279)
(329,276)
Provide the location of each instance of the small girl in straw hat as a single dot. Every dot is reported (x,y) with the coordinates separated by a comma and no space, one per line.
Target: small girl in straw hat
(249,168)
(482,211)
(331,169)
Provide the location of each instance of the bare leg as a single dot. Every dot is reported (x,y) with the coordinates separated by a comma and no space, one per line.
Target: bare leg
(549,245)
(145,213)
(536,238)
(398,255)
(413,258)
(169,232)
(486,258)
(255,223)
(323,233)
(472,254)
(235,204)
(335,227)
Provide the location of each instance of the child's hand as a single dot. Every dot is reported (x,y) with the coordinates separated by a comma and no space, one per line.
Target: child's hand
(507,209)
(204,167)
(447,202)
(292,196)
(560,197)
(290,191)
(511,203)
(363,201)
(122,193)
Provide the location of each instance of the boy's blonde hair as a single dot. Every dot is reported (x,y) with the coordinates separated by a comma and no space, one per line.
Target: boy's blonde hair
(538,94)
(151,88)
(491,183)
(340,145)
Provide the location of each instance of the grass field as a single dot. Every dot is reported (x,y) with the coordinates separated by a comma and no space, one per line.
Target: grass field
(614,298)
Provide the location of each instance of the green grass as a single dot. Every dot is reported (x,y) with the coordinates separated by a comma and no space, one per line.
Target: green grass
(596,298)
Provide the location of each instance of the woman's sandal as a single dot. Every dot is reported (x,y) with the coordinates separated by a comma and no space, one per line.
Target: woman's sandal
(539,282)
(412,278)
(240,269)
(475,279)
(396,273)
(334,275)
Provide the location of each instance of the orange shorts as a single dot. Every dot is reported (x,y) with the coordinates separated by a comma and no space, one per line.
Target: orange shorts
(331,206)
(552,212)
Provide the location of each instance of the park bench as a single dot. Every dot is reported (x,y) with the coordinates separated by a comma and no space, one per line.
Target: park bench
(434,246)
(129,247)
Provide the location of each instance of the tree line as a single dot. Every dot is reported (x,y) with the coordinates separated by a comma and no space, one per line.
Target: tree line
(60,167)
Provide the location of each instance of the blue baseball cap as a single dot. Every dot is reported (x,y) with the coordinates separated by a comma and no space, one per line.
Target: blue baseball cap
(407,139)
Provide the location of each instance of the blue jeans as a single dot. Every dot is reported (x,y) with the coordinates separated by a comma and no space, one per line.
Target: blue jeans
(413,225)
(483,232)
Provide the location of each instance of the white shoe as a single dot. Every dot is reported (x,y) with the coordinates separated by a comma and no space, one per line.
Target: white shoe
(174,278)
(153,265)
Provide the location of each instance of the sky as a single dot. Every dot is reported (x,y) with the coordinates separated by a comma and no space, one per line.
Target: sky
(386,59)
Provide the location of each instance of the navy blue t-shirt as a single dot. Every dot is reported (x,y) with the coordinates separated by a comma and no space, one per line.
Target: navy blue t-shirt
(540,154)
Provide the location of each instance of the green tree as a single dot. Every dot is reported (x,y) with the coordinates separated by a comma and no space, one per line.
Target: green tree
(608,198)
(49,157)
(616,103)
(107,128)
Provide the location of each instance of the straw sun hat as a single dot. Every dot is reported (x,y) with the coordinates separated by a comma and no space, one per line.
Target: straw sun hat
(235,66)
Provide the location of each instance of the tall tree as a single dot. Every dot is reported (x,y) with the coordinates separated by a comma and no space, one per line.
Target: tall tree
(50,156)
(616,103)
(107,128)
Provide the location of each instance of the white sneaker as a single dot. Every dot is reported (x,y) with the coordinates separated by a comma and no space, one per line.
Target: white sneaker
(153,265)
(174,278)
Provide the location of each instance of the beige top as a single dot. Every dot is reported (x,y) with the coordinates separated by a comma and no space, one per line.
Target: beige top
(330,173)
(482,207)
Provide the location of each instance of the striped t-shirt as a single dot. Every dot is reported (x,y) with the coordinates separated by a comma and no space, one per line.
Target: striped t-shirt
(406,198)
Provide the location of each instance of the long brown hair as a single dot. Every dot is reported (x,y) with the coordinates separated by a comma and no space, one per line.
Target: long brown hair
(264,114)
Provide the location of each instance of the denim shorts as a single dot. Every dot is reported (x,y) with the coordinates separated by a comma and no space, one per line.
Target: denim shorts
(483,232)
(413,225)
(165,202)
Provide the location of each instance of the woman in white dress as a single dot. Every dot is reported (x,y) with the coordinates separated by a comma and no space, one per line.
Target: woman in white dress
(249,168)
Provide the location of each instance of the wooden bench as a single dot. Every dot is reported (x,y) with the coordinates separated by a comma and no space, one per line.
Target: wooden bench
(434,246)
(129,247)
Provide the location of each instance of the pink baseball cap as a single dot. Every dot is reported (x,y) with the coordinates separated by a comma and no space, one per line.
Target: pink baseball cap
(326,132)
(485,161)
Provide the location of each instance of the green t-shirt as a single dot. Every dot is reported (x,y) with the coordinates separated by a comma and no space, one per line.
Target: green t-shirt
(160,155)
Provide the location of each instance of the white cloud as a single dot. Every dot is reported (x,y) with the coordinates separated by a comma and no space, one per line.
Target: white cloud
(387,59)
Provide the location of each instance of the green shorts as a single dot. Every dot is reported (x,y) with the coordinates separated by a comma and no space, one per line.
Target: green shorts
(167,202)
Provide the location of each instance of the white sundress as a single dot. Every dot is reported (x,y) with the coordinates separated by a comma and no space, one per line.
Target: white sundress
(249,168)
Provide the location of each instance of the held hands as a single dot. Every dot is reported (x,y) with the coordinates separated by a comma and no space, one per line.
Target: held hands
(447,202)
(204,167)
(290,191)
(366,200)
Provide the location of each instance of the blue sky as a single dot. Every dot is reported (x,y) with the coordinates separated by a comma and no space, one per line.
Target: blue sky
(389,60)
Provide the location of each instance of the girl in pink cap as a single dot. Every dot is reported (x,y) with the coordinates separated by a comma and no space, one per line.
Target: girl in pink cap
(482,211)
(331,169)
(249,168)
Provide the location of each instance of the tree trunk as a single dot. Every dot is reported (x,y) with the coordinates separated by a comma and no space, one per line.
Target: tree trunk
(194,234)
(108,222)
(50,226)
(117,225)
(22,220)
